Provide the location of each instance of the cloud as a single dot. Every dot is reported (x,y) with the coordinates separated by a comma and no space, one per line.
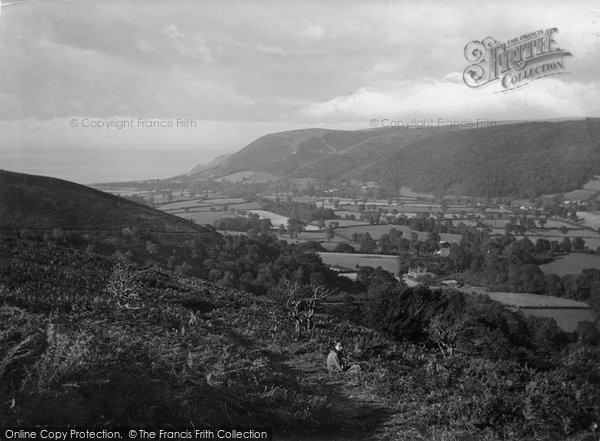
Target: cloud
(453,77)
(448,98)
(385,67)
(192,46)
(271,50)
(311,32)
(307,63)
(144,46)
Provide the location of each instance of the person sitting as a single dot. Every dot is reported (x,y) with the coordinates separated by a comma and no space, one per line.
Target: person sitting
(335,361)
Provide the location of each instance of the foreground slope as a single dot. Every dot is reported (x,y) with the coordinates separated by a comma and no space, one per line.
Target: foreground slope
(39,202)
(88,341)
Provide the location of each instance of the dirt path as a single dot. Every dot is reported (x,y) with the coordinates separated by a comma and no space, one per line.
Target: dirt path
(352,402)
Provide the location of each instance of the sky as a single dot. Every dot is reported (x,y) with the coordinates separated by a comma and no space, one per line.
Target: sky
(102,90)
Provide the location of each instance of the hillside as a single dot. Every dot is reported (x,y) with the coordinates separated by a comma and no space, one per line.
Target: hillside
(201,167)
(510,159)
(283,153)
(86,340)
(350,161)
(43,203)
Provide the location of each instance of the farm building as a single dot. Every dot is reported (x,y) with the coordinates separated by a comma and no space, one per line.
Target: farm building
(414,276)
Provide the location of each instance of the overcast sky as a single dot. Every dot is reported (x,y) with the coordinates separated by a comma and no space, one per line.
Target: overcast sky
(241,69)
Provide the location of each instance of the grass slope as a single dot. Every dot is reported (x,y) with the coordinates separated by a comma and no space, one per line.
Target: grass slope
(282,153)
(38,202)
(85,340)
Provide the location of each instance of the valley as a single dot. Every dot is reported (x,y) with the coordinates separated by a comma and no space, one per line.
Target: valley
(230,287)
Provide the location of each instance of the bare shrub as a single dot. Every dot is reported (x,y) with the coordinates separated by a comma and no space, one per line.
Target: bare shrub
(123,288)
(64,355)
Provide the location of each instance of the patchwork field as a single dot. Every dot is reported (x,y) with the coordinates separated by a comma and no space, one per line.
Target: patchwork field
(278,220)
(580,195)
(180,205)
(344,213)
(376,231)
(572,263)
(316,236)
(407,192)
(590,218)
(246,206)
(553,234)
(554,223)
(220,201)
(235,177)
(525,300)
(566,312)
(205,217)
(351,261)
(593,185)
(566,319)
(198,202)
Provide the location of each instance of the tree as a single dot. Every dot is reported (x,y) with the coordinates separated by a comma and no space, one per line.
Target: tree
(542,222)
(578,244)
(252,234)
(281,230)
(433,237)
(444,331)
(374,218)
(553,285)
(526,278)
(541,246)
(444,206)
(344,248)
(458,257)
(588,333)
(330,231)
(295,226)
(371,277)
(565,245)
(368,244)
(301,305)
(385,244)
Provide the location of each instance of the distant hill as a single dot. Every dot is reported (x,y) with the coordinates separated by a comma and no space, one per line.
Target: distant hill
(38,202)
(283,153)
(510,159)
(201,167)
